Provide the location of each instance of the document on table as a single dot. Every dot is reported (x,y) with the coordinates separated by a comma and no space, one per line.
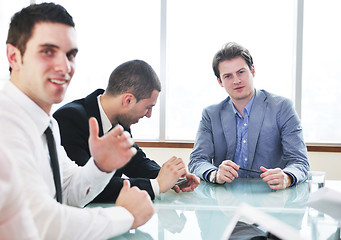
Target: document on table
(326,200)
(249,222)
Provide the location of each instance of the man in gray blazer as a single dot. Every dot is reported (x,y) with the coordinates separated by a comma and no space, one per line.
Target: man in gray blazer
(251,129)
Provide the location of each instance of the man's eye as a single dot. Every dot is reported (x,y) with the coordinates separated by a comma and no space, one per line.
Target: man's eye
(72,55)
(47,51)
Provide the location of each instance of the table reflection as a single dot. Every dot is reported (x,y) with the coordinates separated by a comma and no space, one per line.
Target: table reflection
(206,212)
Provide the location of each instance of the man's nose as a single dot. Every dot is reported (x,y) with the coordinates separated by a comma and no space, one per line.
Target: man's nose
(149,113)
(236,80)
(63,64)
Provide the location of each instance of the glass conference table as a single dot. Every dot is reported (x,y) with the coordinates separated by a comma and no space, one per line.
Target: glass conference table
(206,212)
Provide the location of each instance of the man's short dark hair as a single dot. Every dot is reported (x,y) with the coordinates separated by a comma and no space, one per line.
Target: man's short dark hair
(136,77)
(23,22)
(229,51)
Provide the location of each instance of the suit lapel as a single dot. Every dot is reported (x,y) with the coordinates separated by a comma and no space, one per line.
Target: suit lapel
(255,123)
(228,122)
(91,107)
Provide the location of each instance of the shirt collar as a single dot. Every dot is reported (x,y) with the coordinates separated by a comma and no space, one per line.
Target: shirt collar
(106,124)
(39,117)
(247,109)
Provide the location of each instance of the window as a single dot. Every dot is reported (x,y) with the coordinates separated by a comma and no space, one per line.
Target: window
(110,33)
(7,9)
(195,32)
(321,111)
(178,38)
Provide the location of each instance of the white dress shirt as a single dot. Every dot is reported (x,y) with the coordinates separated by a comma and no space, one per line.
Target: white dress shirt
(106,124)
(22,126)
(16,222)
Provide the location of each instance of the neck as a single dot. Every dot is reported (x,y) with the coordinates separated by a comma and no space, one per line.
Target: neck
(46,107)
(110,107)
(240,104)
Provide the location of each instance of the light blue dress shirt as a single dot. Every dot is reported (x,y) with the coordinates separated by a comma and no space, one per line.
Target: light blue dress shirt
(241,155)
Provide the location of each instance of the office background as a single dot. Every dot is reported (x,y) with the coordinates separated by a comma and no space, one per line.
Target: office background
(295,45)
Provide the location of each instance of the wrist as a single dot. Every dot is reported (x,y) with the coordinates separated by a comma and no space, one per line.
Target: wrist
(289,179)
(212,176)
(101,167)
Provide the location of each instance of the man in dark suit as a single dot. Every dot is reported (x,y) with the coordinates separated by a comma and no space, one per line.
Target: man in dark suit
(131,93)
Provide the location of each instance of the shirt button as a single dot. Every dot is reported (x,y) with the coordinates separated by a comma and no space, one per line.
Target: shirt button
(245,159)
(245,124)
(244,141)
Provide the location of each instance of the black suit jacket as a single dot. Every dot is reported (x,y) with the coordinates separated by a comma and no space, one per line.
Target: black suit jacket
(73,121)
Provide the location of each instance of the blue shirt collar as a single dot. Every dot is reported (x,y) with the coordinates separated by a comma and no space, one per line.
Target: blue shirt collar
(248,107)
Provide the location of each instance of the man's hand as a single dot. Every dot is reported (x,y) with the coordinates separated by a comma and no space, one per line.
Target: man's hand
(227,172)
(275,178)
(170,172)
(189,185)
(137,202)
(111,151)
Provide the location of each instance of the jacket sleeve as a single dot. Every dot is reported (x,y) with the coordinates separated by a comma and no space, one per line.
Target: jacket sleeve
(140,166)
(139,169)
(294,148)
(112,190)
(203,152)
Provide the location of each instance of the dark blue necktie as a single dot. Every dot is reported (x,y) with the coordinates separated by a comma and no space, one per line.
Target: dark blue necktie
(54,163)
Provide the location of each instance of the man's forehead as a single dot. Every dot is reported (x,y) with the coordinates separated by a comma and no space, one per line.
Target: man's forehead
(151,101)
(236,63)
(57,34)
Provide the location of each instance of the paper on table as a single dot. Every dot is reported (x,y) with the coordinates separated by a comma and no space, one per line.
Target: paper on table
(251,215)
(326,200)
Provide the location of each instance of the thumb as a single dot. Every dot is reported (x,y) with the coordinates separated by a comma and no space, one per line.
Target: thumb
(263,169)
(126,185)
(93,128)
(176,188)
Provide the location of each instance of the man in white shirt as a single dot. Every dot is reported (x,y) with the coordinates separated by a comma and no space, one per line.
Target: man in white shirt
(41,50)
(16,222)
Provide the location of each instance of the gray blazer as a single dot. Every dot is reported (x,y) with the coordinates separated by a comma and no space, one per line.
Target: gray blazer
(275,137)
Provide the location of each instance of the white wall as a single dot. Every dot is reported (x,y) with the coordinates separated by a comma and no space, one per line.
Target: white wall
(322,161)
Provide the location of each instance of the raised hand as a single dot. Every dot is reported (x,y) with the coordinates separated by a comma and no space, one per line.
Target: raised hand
(111,151)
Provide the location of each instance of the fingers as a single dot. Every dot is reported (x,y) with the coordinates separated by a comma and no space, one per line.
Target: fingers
(124,138)
(170,173)
(118,130)
(227,171)
(231,164)
(126,185)
(93,127)
(275,178)
(191,183)
(176,165)
(176,188)
(111,151)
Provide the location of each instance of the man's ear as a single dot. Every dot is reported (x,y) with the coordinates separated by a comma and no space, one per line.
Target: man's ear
(13,57)
(253,71)
(128,99)
(219,81)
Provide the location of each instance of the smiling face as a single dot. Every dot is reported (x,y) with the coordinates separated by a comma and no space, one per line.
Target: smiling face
(142,108)
(237,79)
(45,70)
